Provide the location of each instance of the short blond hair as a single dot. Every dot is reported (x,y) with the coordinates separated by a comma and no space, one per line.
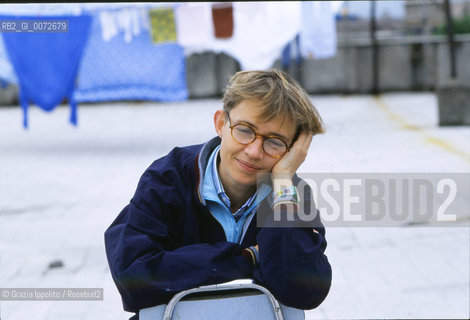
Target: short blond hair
(278,93)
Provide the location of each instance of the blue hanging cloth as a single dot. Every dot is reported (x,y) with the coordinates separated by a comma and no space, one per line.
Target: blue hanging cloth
(46,64)
(287,53)
(116,68)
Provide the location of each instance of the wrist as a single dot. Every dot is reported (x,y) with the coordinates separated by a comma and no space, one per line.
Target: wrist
(256,253)
(282,175)
(281,181)
(248,254)
(285,194)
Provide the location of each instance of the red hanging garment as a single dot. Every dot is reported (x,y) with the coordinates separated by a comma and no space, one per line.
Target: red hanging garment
(222,16)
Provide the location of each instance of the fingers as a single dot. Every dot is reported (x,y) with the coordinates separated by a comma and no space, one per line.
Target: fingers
(291,161)
(308,140)
(302,144)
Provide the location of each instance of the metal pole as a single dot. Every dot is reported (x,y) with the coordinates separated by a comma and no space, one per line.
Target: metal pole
(450,38)
(375,50)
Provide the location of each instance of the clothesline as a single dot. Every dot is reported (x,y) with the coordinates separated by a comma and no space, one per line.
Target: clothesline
(266,26)
(137,52)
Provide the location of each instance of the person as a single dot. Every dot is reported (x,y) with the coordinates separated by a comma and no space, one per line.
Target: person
(191,221)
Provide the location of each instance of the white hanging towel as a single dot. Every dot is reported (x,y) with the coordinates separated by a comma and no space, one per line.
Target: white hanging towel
(193,24)
(131,21)
(261,30)
(318,38)
(108,26)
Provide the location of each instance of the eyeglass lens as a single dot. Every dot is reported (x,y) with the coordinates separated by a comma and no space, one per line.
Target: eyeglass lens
(246,135)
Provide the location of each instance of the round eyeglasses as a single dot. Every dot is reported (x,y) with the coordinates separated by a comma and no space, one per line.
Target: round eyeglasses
(245,134)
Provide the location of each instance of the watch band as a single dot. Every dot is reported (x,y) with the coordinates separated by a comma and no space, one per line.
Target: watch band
(286,194)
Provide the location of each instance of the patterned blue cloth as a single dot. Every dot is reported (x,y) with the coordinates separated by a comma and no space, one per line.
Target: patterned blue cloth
(132,70)
(46,64)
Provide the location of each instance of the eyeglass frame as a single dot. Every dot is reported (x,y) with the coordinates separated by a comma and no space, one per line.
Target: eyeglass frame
(256,135)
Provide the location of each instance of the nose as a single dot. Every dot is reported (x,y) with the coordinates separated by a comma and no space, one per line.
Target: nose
(255,149)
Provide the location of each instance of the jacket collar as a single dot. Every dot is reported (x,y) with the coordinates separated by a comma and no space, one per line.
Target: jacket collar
(201,164)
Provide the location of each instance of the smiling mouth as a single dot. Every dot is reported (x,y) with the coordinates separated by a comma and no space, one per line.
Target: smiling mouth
(247,166)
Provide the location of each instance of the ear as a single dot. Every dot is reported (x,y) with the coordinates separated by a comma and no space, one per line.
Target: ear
(219,122)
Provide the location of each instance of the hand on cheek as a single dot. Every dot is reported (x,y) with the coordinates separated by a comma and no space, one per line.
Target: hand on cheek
(291,161)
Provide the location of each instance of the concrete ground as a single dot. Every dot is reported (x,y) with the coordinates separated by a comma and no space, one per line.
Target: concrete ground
(61,187)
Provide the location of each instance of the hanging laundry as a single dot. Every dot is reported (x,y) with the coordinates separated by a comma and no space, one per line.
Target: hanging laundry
(125,20)
(162,25)
(135,21)
(261,30)
(318,31)
(46,64)
(7,73)
(193,24)
(290,52)
(222,17)
(108,25)
(139,70)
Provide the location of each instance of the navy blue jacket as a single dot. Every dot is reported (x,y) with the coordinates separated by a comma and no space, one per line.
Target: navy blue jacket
(165,241)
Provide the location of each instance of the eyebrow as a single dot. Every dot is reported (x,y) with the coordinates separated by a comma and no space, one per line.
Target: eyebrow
(269,134)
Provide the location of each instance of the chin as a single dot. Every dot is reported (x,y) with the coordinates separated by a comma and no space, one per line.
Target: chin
(246,182)
(253,179)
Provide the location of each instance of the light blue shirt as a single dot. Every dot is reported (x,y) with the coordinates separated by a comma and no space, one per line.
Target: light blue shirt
(218,203)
